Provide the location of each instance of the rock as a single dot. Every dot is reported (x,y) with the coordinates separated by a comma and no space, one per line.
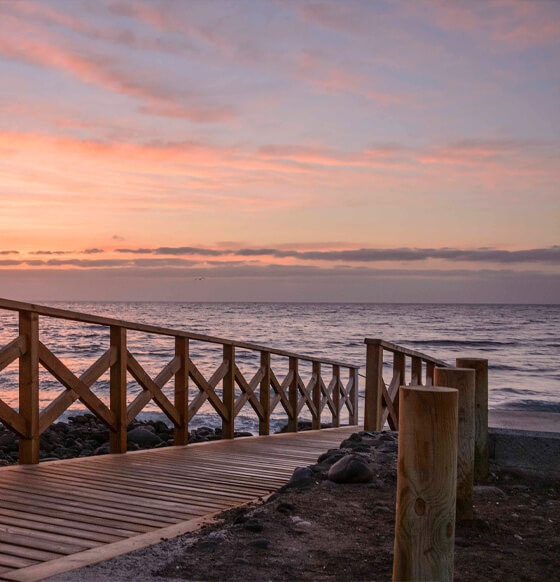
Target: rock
(301,522)
(241,561)
(143,437)
(102,450)
(350,469)
(389,447)
(204,431)
(6,439)
(301,477)
(330,457)
(488,491)
(368,433)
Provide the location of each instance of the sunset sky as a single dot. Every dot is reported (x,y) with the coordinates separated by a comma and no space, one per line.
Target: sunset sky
(280,150)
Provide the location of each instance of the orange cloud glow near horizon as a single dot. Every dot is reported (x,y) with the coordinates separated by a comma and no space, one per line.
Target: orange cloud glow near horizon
(420,139)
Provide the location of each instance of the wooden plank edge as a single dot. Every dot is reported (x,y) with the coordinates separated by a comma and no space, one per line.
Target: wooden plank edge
(114,549)
(222,442)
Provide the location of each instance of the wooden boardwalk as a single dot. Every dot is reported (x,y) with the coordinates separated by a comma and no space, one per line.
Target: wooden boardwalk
(61,515)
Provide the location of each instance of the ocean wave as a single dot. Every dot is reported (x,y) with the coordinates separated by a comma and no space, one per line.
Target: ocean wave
(533,405)
(476,343)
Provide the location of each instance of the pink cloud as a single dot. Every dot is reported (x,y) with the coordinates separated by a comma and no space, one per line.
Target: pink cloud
(26,43)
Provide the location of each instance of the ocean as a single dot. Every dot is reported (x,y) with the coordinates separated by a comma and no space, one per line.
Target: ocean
(521,343)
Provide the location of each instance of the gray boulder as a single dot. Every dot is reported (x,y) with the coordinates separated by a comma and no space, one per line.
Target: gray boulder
(301,477)
(143,437)
(350,469)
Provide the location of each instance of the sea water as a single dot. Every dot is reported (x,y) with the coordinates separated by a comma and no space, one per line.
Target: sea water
(521,343)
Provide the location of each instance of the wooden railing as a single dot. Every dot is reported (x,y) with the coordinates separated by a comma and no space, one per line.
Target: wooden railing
(264,392)
(382,401)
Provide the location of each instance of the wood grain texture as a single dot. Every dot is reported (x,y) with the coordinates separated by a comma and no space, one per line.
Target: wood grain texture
(374,389)
(426,483)
(463,380)
(29,388)
(228,393)
(117,390)
(66,514)
(481,457)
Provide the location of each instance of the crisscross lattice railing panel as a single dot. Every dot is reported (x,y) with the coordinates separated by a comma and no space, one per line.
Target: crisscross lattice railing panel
(382,401)
(250,381)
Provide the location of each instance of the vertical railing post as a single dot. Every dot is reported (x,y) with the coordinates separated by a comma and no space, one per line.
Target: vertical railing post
(430,367)
(29,387)
(426,485)
(480,366)
(117,390)
(354,417)
(336,396)
(228,393)
(399,366)
(181,432)
(463,380)
(416,371)
(293,395)
(316,396)
(374,377)
(264,390)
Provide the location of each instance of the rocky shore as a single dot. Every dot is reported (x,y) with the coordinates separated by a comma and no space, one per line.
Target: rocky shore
(334,521)
(84,435)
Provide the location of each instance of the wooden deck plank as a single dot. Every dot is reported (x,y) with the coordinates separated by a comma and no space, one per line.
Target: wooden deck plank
(62,515)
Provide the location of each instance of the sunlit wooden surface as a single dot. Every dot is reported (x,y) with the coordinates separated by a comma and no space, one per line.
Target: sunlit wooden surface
(61,515)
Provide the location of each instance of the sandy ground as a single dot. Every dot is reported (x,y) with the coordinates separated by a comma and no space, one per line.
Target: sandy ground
(321,531)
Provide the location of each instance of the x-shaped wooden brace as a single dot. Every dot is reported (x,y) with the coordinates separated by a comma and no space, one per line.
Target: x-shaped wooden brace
(280,390)
(12,419)
(345,393)
(328,393)
(152,389)
(307,397)
(390,396)
(248,389)
(76,388)
(207,390)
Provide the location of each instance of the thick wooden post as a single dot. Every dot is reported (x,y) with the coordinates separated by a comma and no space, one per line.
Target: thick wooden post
(336,396)
(264,425)
(426,485)
(181,432)
(480,366)
(29,388)
(117,437)
(430,367)
(463,380)
(374,377)
(354,417)
(293,396)
(316,421)
(416,371)
(228,393)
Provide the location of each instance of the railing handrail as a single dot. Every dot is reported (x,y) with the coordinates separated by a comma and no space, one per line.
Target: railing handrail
(55,312)
(394,348)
